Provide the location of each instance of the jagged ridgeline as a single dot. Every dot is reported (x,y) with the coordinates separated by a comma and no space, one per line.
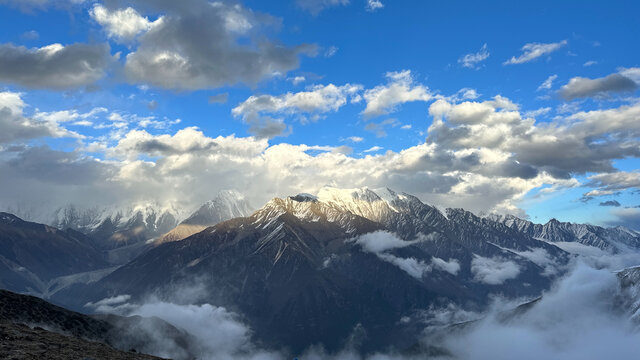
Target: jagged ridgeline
(309,269)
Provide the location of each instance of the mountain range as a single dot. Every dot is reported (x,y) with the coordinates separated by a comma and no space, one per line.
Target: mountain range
(344,267)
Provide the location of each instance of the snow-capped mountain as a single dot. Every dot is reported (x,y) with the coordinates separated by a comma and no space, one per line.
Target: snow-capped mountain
(227,204)
(308,269)
(609,239)
(121,232)
(122,225)
(318,265)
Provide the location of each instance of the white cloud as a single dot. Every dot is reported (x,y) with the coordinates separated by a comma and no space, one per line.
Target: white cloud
(373,149)
(373,5)
(547,84)
(196,45)
(570,322)
(590,63)
(306,105)
(400,89)
(631,73)
(493,271)
(15,127)
(297,80)
(121,24)
(542,258)
(473,59)
(452,266)
(533,51)
(380,242)
(481,156)
(610,183)
(355,139)
(538,112)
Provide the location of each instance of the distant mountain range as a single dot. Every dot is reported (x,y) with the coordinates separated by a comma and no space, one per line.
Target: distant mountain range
(310,269)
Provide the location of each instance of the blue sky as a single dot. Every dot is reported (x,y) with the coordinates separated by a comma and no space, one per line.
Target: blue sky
(336,59)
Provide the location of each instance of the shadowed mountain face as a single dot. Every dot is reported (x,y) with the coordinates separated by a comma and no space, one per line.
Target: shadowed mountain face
(312,270)
(31,255)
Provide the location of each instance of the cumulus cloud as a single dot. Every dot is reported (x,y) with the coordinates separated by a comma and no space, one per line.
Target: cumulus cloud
(54,66)
(585,141)
(479,155)
(16,127)
(121,24)
(307,105)
(473,59)
(579,87)
(195,46)
(400,89)
(533,51)
(493,271)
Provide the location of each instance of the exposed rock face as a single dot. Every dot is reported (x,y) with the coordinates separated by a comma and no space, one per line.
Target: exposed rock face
(342,264)
(301,272)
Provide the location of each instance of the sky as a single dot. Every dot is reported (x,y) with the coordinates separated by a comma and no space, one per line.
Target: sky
(528,108)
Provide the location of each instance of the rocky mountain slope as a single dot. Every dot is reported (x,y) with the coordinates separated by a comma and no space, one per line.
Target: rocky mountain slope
(33,255)
(610,239)
(322,266)
(32,327)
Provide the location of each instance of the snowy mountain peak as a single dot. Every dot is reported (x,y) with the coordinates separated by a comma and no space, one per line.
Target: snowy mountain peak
(227,204)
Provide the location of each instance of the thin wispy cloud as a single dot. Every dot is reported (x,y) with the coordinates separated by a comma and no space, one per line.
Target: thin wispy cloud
(473,60)
(533,51)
